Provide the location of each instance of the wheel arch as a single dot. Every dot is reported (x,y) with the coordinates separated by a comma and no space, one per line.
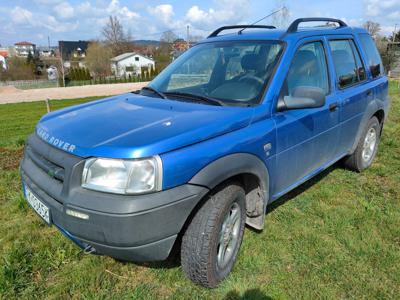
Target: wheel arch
(374,108)
(250,171)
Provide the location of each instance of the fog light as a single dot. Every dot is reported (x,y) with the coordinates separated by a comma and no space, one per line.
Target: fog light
(77,214)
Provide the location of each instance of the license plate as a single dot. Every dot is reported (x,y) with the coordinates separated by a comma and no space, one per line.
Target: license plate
(41,209)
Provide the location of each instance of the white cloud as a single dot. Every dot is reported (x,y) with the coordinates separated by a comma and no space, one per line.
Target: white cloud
(385,9)
(163,12)
(225,12)
(64,10)
(114,8)
(21,16)
(51,23)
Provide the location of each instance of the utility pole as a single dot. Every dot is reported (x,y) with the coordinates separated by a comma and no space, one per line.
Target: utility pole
(48,41)
(187,36)
(62,65)
(394,33)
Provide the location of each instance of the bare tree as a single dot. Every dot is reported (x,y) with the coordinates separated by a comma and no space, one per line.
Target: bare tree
(115,36)
(373,28)
(168,37)
(195,38)
(98,59)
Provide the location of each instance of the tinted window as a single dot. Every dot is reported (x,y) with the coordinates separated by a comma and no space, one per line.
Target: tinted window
(348,66)
(373,57)
(308,69)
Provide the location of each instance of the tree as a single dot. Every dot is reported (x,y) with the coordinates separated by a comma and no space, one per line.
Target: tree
(115,36)
(98,59)
(17,69)
(395,37)
(29,58)
(168,37)
(163,52)
(373,28)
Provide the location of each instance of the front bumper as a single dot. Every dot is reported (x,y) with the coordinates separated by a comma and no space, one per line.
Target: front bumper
(134,228)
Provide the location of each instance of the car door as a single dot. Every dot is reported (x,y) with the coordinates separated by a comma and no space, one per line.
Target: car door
(352,88)
(306,138)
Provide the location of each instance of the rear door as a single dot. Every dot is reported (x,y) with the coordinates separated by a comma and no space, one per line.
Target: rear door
(352,88)
(306,138)
(379,81)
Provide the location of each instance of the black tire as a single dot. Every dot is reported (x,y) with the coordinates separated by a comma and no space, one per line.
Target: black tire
(355,161)
(200,243)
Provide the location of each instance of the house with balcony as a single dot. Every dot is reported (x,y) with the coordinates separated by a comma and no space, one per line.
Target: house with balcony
(73,53)
(24,48)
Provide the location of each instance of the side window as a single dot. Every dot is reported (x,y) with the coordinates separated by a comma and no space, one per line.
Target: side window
(308,69)
(360,66)
(373,57)
(348,65)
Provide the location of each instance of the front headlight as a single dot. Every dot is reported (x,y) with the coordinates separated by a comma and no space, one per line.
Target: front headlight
(121,176)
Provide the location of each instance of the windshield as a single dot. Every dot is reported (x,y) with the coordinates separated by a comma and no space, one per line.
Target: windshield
(232,72)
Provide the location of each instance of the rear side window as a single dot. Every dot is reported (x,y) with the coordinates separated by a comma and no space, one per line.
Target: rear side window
(348,65)
(308,69)
(373,57)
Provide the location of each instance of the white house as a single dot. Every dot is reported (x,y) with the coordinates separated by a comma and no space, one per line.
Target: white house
(131,63)
(24,48)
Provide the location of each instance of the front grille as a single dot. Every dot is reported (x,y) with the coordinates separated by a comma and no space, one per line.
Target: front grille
(54,171)
(47,166)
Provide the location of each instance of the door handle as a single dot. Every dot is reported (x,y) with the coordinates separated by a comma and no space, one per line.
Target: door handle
(333,106)
(369,92)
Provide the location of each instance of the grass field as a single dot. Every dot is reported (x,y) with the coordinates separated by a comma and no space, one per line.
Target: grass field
(337,236)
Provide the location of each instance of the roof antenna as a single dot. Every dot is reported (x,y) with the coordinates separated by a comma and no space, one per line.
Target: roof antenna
(263,18)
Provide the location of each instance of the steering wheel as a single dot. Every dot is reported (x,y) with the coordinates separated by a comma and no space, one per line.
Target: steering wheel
(253,78)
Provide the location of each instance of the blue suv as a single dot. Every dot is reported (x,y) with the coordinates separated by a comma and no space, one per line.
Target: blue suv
(230,126)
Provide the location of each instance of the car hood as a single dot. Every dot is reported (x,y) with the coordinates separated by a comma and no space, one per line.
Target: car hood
(134,126)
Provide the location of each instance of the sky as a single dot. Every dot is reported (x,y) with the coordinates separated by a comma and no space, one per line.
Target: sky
(36,20)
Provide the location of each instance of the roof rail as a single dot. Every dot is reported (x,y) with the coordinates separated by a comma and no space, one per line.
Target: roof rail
(215,33)
(295,24)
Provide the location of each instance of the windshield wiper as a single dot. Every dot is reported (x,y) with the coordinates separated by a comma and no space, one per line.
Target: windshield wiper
(209,100)
(149,88)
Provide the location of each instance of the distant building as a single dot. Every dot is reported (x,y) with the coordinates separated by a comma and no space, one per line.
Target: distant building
(73,50)
(179,46)
(130,63)
(46,51)
(24,48)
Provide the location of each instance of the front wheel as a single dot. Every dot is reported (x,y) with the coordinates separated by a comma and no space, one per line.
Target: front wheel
(367,147)
(213,238)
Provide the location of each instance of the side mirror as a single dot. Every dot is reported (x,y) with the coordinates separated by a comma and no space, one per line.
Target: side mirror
(375,70)
(303,97)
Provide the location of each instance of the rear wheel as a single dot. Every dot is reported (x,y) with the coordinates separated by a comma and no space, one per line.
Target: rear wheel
(366,149)
(212,240)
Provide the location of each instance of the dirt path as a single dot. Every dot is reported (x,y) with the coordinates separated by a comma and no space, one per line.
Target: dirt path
(15,95)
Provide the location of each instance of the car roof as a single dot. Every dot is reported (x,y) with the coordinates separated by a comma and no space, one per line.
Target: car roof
(283,35)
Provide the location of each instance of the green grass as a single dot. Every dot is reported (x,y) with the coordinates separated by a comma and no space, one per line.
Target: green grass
(337,236)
